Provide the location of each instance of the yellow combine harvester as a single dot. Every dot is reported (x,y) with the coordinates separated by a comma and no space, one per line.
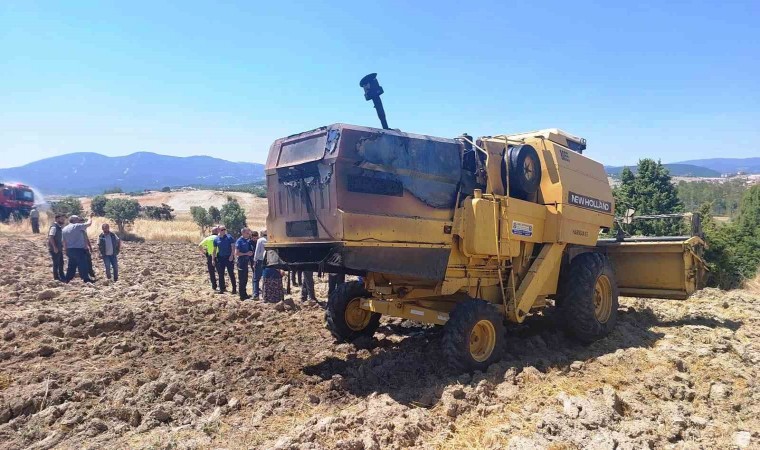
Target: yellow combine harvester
(461,232)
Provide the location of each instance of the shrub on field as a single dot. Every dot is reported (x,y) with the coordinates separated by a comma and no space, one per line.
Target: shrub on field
(67,206)
(98,205)
(214,214)
(122,211)
(163,212)
(233,216)
(201,218)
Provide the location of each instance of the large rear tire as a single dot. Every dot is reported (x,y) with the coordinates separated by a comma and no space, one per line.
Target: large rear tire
(345,319)
(589,297)
(474,337)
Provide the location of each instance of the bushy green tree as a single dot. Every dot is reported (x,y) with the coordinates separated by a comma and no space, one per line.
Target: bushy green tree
(721,262)
(201,218)
(166,189)
(749,211)
(733,249)
(748,233)
(649,191)
(114,190)
(122,211)
(233,216)
(215,214)
(98,205)
(67,206)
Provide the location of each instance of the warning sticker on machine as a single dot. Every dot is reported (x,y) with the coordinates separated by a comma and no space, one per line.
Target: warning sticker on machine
(522,228)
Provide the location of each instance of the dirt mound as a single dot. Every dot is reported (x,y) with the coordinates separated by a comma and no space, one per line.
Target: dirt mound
(159,361)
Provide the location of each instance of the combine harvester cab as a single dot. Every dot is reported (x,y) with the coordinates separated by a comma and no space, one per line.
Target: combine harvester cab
(355,199)
(462,233)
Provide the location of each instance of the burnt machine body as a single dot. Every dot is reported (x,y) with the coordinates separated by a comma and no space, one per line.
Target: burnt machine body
(344,198)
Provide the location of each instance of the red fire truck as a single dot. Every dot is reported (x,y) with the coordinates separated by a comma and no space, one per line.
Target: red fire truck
(16,200)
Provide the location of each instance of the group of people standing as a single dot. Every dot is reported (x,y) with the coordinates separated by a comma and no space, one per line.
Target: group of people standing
(248,252)
(222,250)
(72,240)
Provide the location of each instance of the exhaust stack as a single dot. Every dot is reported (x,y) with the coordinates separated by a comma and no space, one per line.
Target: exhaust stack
(373,91)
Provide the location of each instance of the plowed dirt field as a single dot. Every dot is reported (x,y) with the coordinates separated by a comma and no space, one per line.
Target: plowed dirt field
(159,361)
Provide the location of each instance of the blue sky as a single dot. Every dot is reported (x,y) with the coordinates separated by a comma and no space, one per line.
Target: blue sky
(670,80)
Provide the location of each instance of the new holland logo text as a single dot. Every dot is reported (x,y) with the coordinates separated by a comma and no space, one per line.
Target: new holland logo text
(589,202)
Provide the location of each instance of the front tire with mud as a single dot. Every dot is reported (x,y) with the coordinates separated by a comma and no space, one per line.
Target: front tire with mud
(589,297)
(345,319)
(474,337)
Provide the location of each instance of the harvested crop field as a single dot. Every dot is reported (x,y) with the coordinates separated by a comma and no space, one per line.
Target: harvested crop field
(159,361)
(182,200)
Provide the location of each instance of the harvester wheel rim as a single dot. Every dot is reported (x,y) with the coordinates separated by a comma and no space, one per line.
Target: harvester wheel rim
(482,340)
(603,298)
(356,318)
(529,167)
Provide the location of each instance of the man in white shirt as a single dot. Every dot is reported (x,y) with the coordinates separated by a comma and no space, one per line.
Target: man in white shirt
(34,218)
(76,244)
(258,258)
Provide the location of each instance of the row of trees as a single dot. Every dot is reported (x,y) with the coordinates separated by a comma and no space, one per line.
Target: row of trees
(232,215)
(258,189)
(123,211)
(733,251)
(724,197)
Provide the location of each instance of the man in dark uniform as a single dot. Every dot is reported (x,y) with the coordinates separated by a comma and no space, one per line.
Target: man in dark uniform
(225,259)
(55,246)
(244,253)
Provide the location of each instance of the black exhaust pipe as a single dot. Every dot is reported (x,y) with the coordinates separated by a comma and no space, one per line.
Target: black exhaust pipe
(373,91)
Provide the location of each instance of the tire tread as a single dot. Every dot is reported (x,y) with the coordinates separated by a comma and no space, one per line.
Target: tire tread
(457,331)
(577,293)
(336,307)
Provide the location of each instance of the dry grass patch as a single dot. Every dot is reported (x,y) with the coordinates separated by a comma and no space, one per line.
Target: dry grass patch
(182,229)
(753,285)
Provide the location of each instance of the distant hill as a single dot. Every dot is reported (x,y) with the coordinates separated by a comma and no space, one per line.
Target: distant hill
(728,165)
(676,169)
(92,173)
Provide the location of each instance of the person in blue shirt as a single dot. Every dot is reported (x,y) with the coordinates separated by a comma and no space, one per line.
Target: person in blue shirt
(244,253)
(225,259)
